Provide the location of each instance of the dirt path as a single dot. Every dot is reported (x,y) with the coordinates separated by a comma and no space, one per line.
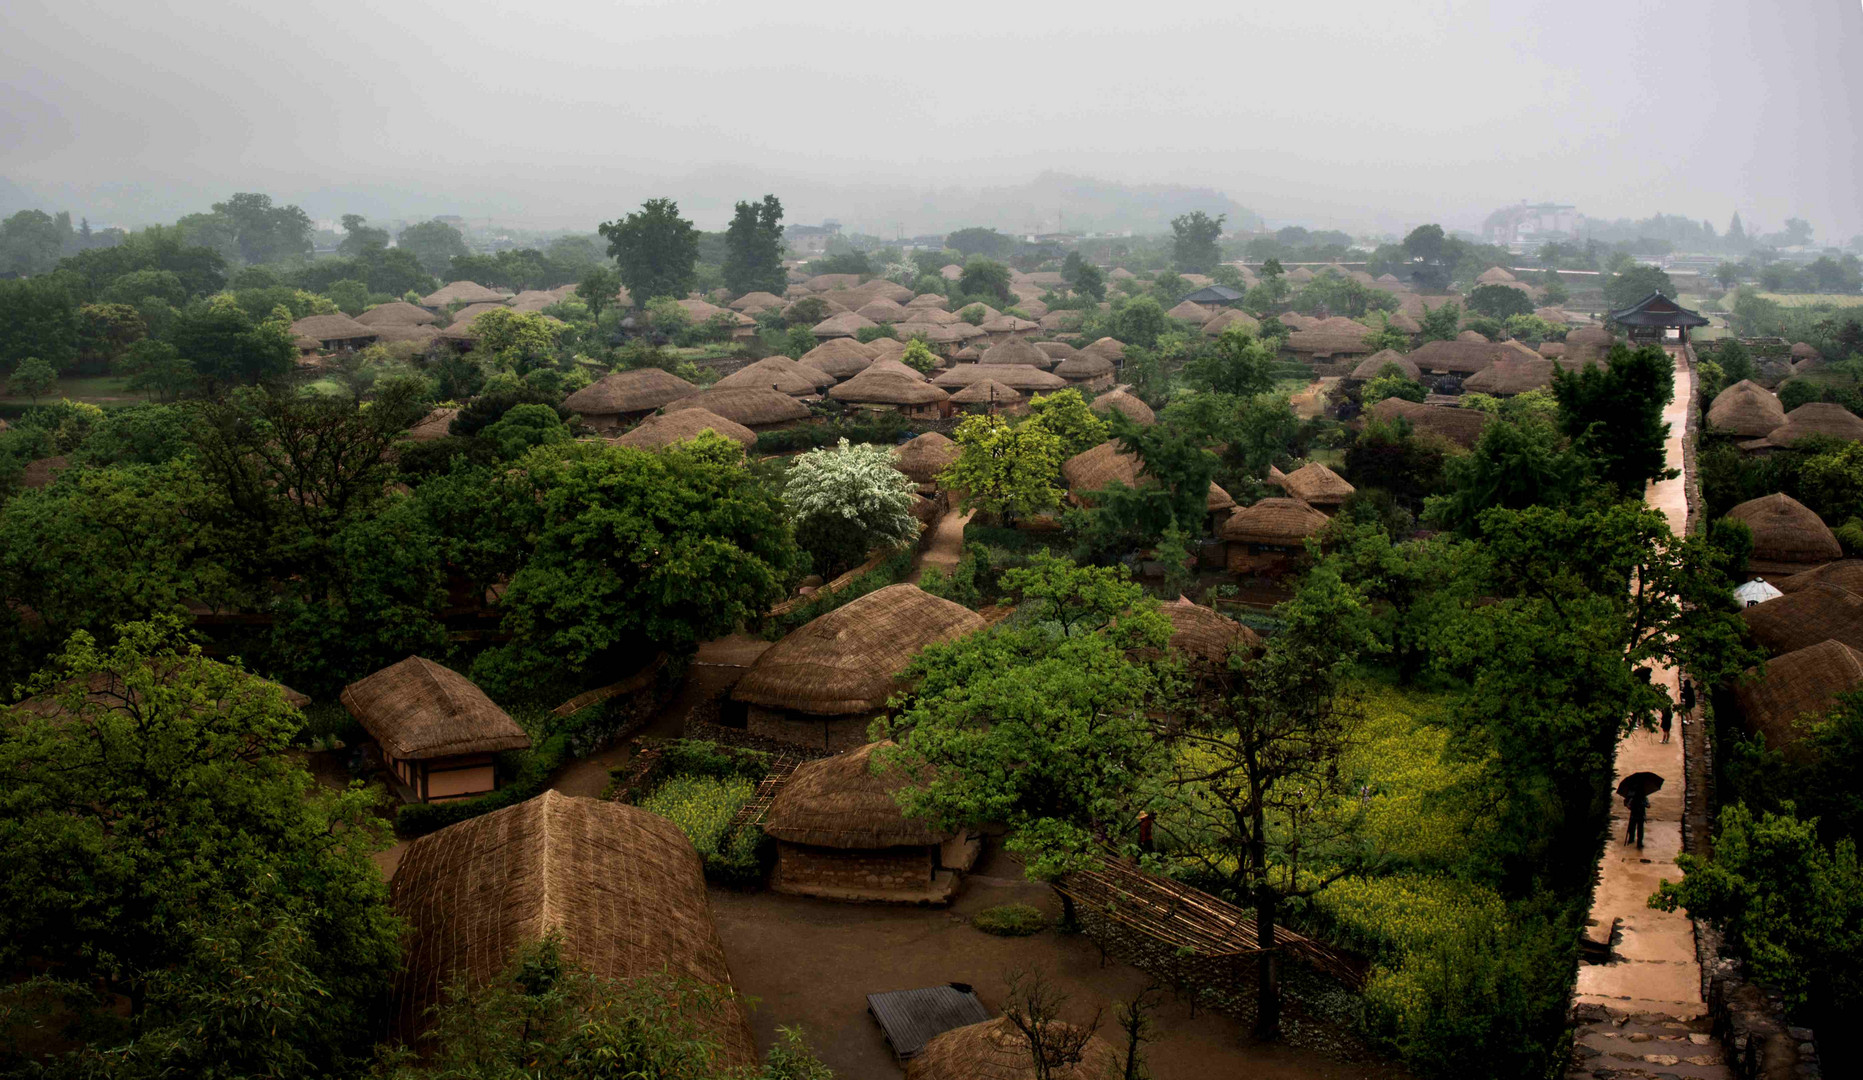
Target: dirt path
(1311,402)
(943,548)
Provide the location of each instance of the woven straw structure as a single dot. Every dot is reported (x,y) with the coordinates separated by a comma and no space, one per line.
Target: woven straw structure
(1229,317)
(1844,573)
(1333,337)
(1111,348)
(846,324)
(435,425)
(1375,363)
(1494,275)
(1813,418)
(842,358)
(988,392)
(470,292)
(1505,378)
(1316,485)
(849,660)
(968,354)
(40,473)
(1024,377)
(1552,350)
(331,328)
(622,886)
(929,300)
(777,373)
(882,310)
(1294,320)
(932,332)
(752,407)
(923,458)
(1200,632)
(1786,531)
(1804,351)
(995,1050)
(1065,319)
(1017,351)
(753,302)
(397,313)
(842,802)
(636,391)
(887,388)
(1123,403)
(1747,409)
(1057,350)
(1459,426)
(888,366)
(419,709)
(1082,367)
(1278,522)
(1802,619)
(1459,357)
(1099,467)
(658,432)
(420,335)
(1190,313)
(824,282)
(1401,321)
(1802,683)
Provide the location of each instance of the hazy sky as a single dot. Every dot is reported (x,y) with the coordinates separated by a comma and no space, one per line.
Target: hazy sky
(1381,113)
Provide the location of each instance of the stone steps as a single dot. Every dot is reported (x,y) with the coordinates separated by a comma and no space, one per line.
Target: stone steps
(1620,1044)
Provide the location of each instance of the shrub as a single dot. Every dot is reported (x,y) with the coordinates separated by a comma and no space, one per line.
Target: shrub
(702,807)
(890,571)
(1010,920)
(873,333)
(529,771)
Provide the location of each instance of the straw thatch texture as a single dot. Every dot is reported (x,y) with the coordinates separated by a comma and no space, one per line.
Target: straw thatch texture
(1747,409)
(1082,367)
(1200,632)
(1552,350)
(842,802)
(637,391)
(1458,357)
(469,292)
(1111,348)
(882,310)
(1017,351)
(1008,324)
(840,357)
(995,1050)
(1023,377)
(1814,418)
(1375,363)
(1786,531)
(929,300)
(1227,318)
(1494,275)
(331,328)
(419,709)
(1331,337)
(988,392)
(1459,426)
(1844,573)
(1099,467)
(924,457)
(778,373)
(622,887)
(824,282)
(1316,485)
(109,691)
(846,324)
(393,332)
(658,432)
(1119,401)
(1802,619)
(848,660)
(1190,313)
(1065,319)
(1803,683)
(968,354)
(1473,337)
(1294,320)
(1505,378)
(1218,499)
(918,316)
(435,425)
(397,313)
(1057,350)
(1277,522)
(39,474)
(933,333)
(1589,343)
(1804,351)
(887,388)
(753,302)
(1301,274)
(887,365)
(464,316)
(1402,321)
(751,406)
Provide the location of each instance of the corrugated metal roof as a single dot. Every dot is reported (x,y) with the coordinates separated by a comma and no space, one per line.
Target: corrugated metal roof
(911,1018)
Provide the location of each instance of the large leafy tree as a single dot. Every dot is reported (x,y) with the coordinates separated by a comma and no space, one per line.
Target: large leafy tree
(1499,301)
(1238,364)
(1005,470)
(1194,236)
(148,802)
(1635,282)
(1613,415)
(31,242)
(598,288)
(435,243)
(1065,415)
(265,232)
(41,320)
(846,501)
(228,347)
(754,248)
(359,236)
(655,250)
(1514,465)
(985,277)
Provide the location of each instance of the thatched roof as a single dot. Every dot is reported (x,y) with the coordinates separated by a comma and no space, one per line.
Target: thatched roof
(470,292)
(1748,409)
(929,300)
(1064,319)
(846,324)
(1316,485)
(882,310)
(1056,350)
(841,357)
(848,660)
(1229,317)
(1119,401)
(535,300)
(1804,618)
(1402,321)
(1111,348)
(1494,275)
(435,425)
(622,887)
(419,709)
(1008,324)
(1098,468)
(1375,363)
(932,332)
(638,390)
(1844,573)
(842,802)
(1803,351)
(658,432)
(1813,418)
(1301,273)
(887,365)
(1505,378)
(109,691)
(916,316)
(40,473)
(1786,531)
(1084,366)
(924,457)
(1800,684)
(1280,522)
(397,313)
(987,392)
(995,1050)
(393,332)
(752,406)
(825,282)
(1017,351)
(1190,313)
(887,388)
(778,373)
(1460,426)
(969,353)
(1552,350)
(753,302)
(1024,377)
(1460,357)
(1331,337)
(1201,633)
(465,316)
(1473,337)
(331,328)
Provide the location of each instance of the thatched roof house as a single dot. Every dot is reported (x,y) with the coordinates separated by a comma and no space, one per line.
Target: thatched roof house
(1787,536)
(846,324)
(840,834)
(397,313)
(1024,377)
(1804,351)
(437,731)
(1262,537)
(1505,378)
(1201,634)
(462,292)
(778,373)
(659,432)
(334,331)
(1813,418)
(1111,348)
(437,424)
(1458,425)
(1123,403)
(882,310)
(1008,324)
(1800,685)
(1844,573)
(1061,320)
(988,393)
(842,358)
(755,407)
(1017,351)
(1098,468)
(825,282)
(1494,275)
(753,302)
(891,391)
(1329,339)
(1317,486)
(622,888)
(1229,317)
(1747,409)
(929,300)
(925,456)
(1804,618)
(1089,370)
(995,1050)
(820,685)
(1188,312)
(1372,366)
(622,395)
(1458,357)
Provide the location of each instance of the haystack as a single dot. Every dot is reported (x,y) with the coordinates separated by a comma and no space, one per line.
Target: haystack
(659,432)
(1123,403)
(778,373)
(613,398)
(1787,536)
(1799,686)
(925,456)
(1802,619)
(437,731)
(995,1050)
(754,407)
(1317,486)
(1746,409)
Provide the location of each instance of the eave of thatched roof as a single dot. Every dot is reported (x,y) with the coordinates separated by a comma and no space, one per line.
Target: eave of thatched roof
(638,390)
(1458,425)
(470,292)
(1316,485)
(995,1050)
(435,425)
(846,802)
(1458,357)
(778,373)
(331,328)
(1844,573)
(1199,632)
(658,432)
(397,313)
(1799,685)
(887,388)
(988,392)
(751,406)
(1275,521)
(1126,405)
(1786,531)
(1804,618)
(925,456)
(1505,378)
(1024,377)
(1814,418)
(419,709)
(1017,351)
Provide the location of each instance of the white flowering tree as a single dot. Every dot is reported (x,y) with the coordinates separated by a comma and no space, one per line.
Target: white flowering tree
(847,501)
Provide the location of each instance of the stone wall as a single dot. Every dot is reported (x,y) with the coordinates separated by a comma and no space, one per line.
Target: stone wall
(804,869)
(830,733)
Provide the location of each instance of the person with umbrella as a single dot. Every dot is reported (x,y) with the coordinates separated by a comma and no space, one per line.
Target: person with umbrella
(1636,790)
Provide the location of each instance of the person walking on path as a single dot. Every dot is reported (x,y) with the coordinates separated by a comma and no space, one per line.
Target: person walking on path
(1688,697)
(1639,804)
(1668,719)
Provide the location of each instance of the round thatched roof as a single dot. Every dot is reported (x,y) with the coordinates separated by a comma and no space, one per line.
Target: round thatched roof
(1747,409)
(840,357)
(751,406)
(753,302)
(1276,521)
(1473,337)
(1595,337)
(1227,318)
(1111,348)
(331,328)
(825,282)
(658,432)
(929,300)
(848,661)
(987,392)
(1804,618)
(1800,685)
(872,387)
(1023,377)
(1099,467)
(1786,531)
(1331,337)
(1504,378)
(1057,350)
(435,425)
(843,802)
(398,313)
(1458,425)
(882,310)
(846,324)
(932,332)
(888,365)
(1552,350)
(1813,418)
(778,373)
(923,458)
(419,709)
(1008,324)
(1017,351)
(393,332)
(1494,275)
(638,390)
(1119,401)
(1083,367)
(1369,368)
(969,353)
(470,292)
(1803,351)
(1316,485)
(1063,319)
(1190,313)
(995,1050)
(1844,573)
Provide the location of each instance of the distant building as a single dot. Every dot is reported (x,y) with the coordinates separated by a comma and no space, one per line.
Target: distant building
(1528,225)
(811,239)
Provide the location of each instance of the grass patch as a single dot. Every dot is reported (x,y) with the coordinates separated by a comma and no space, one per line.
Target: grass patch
(702,807)
(1844,300)
(96,389)
(1010,920)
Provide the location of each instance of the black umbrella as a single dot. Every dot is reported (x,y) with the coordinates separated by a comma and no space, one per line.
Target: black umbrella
(1642,783)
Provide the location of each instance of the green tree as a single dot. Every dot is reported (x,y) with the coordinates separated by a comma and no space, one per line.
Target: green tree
(1391,383)
(979,241)
(156,367)
(597,289)
(918,355)
(1613,415)
(41,320)
(1513,465)
(1090,282)
(350,296)
(1065,415)
(434,243)
(655,250)
(517,341)
(264,232)
(986,277)
(1727,273)
(30,242)
(848,501)
(1499,301)
(1237,364)
(1194,236)
(1004,470)
(105,332)
(1635,282)
(754,248)
(359,237)
(228,347)
(1441,323)
(1140,322)
(525,427)
(1429,252)
(32,379)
